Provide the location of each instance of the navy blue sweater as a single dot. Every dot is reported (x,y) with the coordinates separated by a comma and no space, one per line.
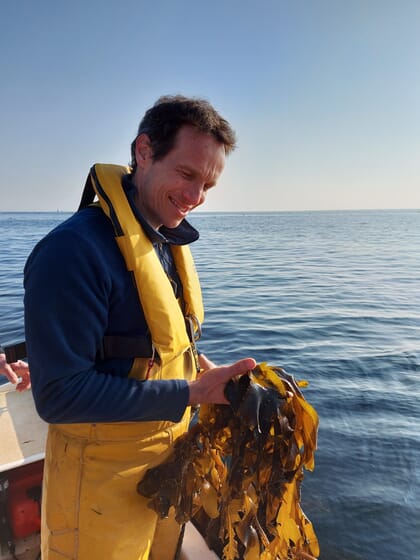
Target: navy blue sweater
(77,290)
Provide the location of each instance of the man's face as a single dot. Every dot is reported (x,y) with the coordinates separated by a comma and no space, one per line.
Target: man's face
(168,189)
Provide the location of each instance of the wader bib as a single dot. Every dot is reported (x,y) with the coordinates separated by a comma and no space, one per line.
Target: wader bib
(90,507)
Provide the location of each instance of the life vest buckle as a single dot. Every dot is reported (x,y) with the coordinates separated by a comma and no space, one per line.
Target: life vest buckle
(193,327)
(194,333)
(151,362)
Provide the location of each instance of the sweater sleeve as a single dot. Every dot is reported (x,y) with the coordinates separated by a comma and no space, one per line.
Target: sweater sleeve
(68,287)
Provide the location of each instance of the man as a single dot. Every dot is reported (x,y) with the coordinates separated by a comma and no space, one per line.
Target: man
(112,310)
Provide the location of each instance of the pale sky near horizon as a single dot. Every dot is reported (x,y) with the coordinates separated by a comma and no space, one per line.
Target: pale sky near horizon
(324,96)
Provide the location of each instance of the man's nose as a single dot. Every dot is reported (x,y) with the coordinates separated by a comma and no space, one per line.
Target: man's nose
(193,195)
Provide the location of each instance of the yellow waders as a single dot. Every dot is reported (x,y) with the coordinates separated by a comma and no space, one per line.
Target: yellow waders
(90,507)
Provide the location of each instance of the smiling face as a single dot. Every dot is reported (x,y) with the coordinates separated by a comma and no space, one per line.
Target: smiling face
(169,188)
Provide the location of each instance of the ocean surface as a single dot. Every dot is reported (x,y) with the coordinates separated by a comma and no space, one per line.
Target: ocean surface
(334,298)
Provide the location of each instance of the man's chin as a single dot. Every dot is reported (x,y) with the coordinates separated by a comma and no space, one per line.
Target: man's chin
(172,224)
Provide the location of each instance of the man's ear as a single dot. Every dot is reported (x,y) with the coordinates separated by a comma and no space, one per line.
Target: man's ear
(144,152)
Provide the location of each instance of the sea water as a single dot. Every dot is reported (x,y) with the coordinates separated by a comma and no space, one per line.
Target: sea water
(334,298)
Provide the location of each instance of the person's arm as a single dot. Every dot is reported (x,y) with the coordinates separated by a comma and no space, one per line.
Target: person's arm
(69,286)
(69,289)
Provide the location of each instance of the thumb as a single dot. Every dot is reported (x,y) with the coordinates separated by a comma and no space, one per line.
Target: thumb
(239,368)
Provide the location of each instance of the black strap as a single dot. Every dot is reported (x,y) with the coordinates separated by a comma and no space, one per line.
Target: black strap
(15,352)
(88,195)
(126,347)
(112,347)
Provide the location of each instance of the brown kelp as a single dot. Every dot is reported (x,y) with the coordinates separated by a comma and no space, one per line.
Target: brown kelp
(237,472)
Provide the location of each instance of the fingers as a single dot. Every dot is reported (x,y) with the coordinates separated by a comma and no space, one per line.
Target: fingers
(239,367)
(15,370)
(10,374)
(25,382)
(19,366)
(205,363)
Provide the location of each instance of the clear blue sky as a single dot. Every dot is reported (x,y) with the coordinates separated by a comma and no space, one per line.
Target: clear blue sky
(324,95)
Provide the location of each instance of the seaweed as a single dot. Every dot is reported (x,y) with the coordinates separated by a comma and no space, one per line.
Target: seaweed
(237,472)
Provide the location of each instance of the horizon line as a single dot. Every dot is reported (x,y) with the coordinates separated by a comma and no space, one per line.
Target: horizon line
(59,211)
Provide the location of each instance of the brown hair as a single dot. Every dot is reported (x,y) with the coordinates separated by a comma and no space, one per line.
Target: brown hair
(162,122)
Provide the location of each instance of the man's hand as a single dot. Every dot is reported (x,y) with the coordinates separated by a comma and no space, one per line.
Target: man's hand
(15,370)
(210,386)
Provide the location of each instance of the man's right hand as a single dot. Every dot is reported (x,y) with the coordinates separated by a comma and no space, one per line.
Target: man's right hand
(209,388)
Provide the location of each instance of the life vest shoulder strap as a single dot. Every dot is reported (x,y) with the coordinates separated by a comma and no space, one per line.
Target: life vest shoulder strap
(88,194)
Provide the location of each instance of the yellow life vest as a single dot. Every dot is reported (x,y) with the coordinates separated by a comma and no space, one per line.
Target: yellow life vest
(162,311)
(91,509)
